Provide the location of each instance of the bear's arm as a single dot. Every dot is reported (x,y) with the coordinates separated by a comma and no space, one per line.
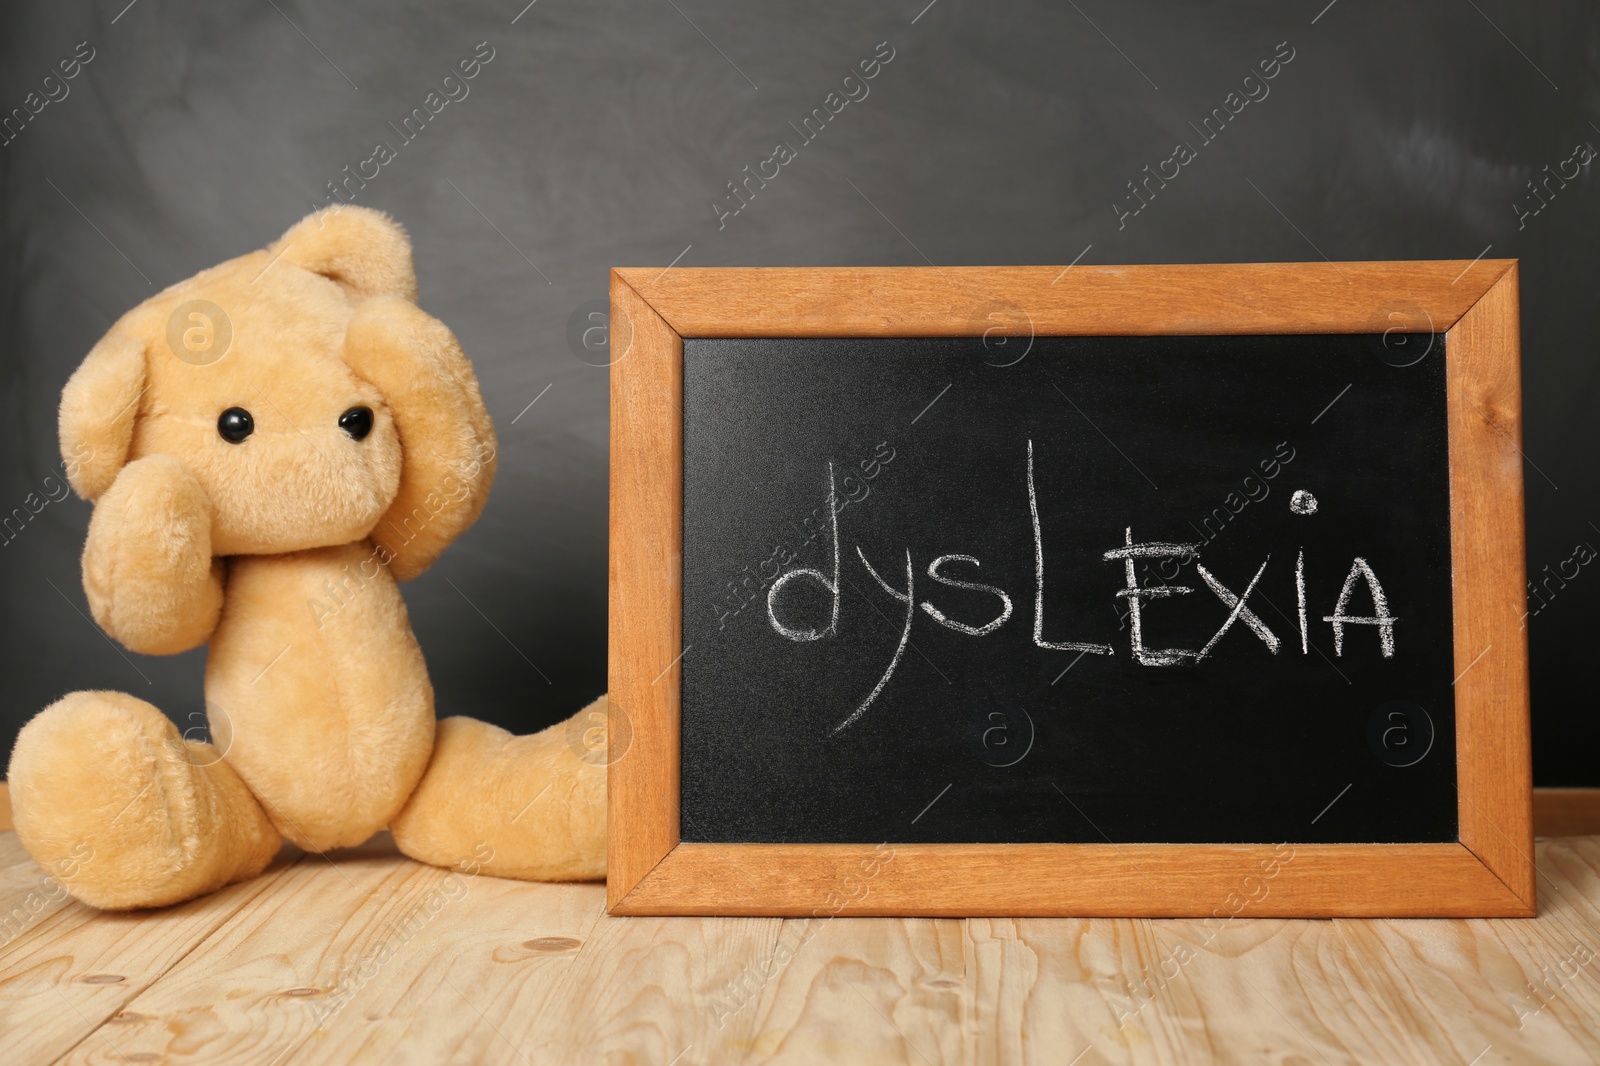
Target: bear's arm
(147,566)
(447,442)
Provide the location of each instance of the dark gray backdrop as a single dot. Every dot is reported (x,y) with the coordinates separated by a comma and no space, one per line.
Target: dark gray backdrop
(599,134)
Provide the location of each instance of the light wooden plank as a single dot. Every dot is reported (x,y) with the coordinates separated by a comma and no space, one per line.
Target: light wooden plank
(74,968)
(648,991)
(498,972)
(1384,991)
(1084,301)
(508,972)
(859,990)
(467,981)
(1138,991)
(377,958)
(254,990)
(28,896)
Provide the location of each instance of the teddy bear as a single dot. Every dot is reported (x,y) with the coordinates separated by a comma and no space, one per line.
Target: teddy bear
(270,446)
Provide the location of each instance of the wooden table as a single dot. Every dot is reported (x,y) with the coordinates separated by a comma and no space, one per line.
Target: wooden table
(369,957)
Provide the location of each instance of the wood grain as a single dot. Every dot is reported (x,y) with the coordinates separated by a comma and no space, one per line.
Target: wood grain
(67,975)
(1491,873)
(351,961)
(1080,880)
(1081,301)
(352,957)
(1494,761)
(646,587)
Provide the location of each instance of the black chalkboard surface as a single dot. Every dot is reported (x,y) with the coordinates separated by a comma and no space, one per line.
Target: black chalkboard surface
(1033,698)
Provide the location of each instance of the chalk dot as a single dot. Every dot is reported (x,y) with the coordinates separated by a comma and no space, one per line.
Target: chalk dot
(1302,502)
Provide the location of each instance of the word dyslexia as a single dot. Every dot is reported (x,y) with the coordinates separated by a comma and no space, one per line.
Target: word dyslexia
(1137,598)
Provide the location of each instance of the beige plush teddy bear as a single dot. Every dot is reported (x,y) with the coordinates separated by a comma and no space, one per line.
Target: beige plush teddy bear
(270,446)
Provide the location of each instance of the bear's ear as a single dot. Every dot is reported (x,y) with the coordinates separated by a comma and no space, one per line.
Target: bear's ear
(365,251)
(99,407)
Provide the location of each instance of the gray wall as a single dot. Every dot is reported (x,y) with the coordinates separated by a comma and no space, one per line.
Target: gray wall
(599,134)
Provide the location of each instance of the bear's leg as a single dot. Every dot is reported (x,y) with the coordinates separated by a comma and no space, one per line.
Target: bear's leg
(531,807)
(110,800)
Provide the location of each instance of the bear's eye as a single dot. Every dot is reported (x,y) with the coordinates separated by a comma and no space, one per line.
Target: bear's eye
(235,424)
(357,422)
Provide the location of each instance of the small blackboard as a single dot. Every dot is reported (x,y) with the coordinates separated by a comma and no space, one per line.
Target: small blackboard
(1177,572)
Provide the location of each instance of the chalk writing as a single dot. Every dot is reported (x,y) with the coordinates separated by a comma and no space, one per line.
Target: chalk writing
(788,621)
(751,584)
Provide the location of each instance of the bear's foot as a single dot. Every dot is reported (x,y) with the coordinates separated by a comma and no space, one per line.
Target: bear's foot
(530,807)
(108,798)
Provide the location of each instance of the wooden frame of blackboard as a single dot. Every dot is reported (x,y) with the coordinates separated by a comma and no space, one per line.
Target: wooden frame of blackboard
(1488,873)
